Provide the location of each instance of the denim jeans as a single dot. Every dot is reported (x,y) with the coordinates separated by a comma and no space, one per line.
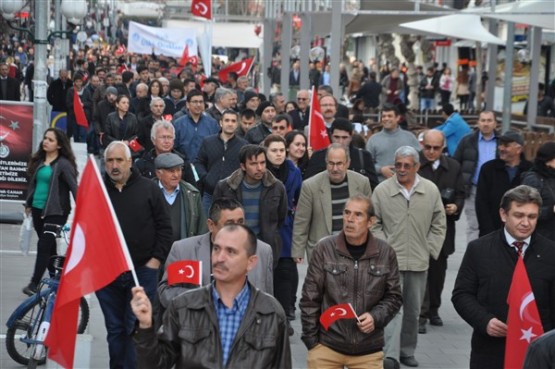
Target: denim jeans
(115,301)
(206,202)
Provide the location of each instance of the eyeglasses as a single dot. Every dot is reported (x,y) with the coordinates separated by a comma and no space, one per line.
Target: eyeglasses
(435,148)
(278,128)
(404,165)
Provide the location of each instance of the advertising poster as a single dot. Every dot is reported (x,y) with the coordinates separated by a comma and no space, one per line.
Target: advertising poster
(16,137)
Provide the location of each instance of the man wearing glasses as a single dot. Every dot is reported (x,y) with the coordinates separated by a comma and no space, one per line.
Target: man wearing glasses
(301,115)
(191,128)
(411,218)
(322,199)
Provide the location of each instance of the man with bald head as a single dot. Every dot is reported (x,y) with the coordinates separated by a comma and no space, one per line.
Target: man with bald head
(446,173)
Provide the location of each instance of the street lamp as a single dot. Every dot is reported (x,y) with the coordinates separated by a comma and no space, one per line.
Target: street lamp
(73,10)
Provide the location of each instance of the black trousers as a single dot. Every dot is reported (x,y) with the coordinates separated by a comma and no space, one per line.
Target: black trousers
(286,280)
(434,287)
(46,246)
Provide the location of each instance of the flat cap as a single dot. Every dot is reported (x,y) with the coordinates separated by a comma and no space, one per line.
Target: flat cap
(512,136)
(167,161)
(112,91)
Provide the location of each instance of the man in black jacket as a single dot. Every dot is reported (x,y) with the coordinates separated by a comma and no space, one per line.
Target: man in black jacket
(473,151)
(57,92)
(498,176)
(446,173)
(361,160)
(9,87)
(484,278)
(218,156)
(145,223)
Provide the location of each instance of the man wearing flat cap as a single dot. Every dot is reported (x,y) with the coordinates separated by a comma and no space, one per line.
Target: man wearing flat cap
(184,200)
(266,113)
(497,176)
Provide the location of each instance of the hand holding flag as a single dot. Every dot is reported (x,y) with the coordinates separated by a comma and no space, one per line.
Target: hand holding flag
(336,312)
(185,271)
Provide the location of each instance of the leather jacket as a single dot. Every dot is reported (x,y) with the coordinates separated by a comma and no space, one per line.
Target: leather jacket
(190,337)
(371,284)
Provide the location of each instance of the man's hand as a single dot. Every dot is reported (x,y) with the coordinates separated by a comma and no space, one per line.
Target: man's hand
(27,211)
(387,171)
(366,324)
(298,260)
(140,304)
(153,263)
(450,209)
(496,328)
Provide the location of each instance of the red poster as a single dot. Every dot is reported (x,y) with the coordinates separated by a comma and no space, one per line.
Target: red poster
(16,137)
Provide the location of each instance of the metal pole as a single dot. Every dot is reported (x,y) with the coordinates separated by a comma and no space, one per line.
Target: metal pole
(267,47)
(286,33)
(535,49)
(40,108)
(508,83)
(336,40)
(492,67)
(305,49)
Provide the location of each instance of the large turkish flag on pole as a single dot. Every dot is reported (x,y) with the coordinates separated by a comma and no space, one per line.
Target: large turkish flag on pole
(242,68)
(96,256)
(523,322)
(318,137)
(80,117)
(202,8)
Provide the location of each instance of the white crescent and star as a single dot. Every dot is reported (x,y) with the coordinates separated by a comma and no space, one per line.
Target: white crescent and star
(243,65)
(78,245)
(339,312)
(527,334)
(189,267)
(525,301)
(201,8)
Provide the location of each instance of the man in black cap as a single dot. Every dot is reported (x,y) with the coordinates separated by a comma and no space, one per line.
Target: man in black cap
(209,89)
(184,200)
(251,100)
(266,111)
(497,176)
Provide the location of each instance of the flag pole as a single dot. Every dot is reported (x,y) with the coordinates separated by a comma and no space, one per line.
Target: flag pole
(116,222)
(354,312)
(310,119)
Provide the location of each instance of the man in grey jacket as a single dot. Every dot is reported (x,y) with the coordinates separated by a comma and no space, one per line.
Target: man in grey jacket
(411,218)
(222,212)
(227,324)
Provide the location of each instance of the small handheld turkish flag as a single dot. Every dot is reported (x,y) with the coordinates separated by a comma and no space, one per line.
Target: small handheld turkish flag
(135,145)
(336,312)
(202,8)
(318,137)
(185,271)
(523,321)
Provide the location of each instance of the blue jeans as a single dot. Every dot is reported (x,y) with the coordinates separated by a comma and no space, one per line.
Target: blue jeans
(115,301)
(427,103)
(206,202)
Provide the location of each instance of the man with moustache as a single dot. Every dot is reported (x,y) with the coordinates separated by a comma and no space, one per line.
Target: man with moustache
(410,216)
(145,223)
(227,324)
(446,173)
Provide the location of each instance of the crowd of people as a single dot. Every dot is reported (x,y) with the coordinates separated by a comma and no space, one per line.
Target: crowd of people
(217,172)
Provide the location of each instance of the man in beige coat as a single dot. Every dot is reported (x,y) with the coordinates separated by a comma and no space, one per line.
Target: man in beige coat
(410,217)
(322,199)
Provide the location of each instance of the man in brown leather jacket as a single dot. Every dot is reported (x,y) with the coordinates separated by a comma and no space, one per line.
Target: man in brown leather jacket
(227,324)
(351,267)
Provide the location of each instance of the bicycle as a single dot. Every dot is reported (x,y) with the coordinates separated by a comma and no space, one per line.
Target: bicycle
(29,323)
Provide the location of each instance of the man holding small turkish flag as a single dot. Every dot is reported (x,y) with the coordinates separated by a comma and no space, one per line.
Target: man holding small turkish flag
(505,288)
(351,266)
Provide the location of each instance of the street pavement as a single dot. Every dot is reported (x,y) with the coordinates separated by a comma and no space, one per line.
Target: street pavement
(446,347)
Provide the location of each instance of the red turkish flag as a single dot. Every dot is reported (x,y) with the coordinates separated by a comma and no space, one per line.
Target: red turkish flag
(185,271)
(318,137)
(336,312)
(134,145)
(202,8)
(96,256)
(523,323)
(80,116)
(184,57)
(242,68)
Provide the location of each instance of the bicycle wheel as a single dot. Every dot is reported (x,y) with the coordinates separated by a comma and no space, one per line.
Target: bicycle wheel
(25,328)
(84,314)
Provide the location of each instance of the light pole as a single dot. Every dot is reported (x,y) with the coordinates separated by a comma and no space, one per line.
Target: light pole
(73,10)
